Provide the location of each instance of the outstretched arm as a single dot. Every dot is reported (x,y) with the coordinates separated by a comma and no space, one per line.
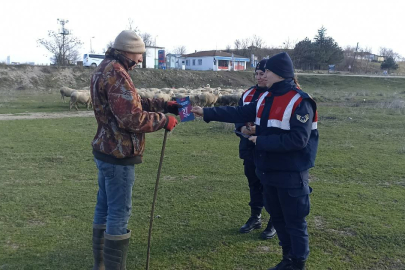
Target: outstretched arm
(227,113)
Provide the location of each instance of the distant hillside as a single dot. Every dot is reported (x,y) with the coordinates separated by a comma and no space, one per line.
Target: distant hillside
(45,78)
(50,78)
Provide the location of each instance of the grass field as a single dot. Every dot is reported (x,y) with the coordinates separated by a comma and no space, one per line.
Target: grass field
(357,221)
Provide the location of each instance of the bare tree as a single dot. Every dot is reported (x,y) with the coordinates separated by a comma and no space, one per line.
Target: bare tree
(64,48)
(180,50)
(386,52)
(246,43)
(147,39)
(289,44)
(257,42)
(237,44)
(131,26)
(109,45)
(228,48)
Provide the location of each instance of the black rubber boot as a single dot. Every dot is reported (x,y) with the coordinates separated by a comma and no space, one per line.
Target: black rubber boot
(115,251)
(298,264)
(286,262)
(98,246)
(269,232)
(254,222)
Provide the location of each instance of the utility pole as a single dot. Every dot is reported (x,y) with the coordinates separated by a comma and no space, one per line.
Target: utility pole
(91,48)
(156,62)
(64,32)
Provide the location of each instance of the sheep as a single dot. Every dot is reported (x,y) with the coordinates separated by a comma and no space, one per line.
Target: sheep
(208,99)
(179,95)
(65,92)
(82,97)
(167,90)
(194,99)
(147,94)
(228,100)
(165,97)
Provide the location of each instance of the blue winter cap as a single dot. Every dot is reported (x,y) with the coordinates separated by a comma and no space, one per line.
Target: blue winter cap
(281,65)
(261,65)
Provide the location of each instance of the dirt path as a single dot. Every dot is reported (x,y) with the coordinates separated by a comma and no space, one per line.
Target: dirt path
(19,116)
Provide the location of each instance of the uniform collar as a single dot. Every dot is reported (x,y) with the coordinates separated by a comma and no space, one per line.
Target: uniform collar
(282,87)
(261,89)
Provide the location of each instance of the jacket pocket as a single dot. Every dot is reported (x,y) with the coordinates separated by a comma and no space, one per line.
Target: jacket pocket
(107,169)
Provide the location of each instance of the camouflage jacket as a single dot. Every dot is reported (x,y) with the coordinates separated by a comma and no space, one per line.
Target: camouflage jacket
(123,117)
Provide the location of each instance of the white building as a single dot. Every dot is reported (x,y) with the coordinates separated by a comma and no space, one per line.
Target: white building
(214,60)
(174,61)
(151,57)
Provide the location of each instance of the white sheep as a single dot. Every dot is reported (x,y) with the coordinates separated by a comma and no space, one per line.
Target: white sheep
(194,99)
(147,94)
(82,97)
(65,92)
(208,99)
(164,96)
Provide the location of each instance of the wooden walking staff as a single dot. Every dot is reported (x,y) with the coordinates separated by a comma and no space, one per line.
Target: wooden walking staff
(154,198)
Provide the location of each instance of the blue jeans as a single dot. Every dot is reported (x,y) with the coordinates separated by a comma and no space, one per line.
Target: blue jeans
(114,197)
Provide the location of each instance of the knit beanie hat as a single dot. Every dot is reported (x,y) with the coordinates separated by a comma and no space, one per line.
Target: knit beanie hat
(261,65)
(281,65)
(129,41)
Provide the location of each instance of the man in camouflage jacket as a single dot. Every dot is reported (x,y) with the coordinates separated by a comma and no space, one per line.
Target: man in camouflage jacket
(123,118)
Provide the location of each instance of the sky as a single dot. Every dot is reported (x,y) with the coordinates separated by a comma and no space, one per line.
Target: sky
(200,25)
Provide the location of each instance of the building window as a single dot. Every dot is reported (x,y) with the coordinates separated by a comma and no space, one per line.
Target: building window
(187,62)
(200,62)
(222,63)
(193,62)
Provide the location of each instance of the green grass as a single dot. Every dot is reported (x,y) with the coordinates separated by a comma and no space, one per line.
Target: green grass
(27,102)
(48,191)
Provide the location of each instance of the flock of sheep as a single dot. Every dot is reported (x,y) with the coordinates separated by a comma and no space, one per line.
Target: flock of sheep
(203,96)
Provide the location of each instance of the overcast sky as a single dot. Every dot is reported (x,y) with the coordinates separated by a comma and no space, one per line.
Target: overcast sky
(200,25)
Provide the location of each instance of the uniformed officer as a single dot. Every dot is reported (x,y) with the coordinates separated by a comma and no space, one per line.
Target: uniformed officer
(286,145)
(246,150)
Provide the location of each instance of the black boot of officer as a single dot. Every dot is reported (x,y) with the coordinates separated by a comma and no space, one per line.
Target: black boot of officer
(254,222)
(298,264)
(269,232)
(286,263)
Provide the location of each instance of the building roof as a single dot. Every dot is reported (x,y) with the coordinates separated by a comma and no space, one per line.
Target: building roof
(213,53)
(152,47)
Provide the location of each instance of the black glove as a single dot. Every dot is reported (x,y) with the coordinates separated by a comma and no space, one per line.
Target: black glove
(172,107)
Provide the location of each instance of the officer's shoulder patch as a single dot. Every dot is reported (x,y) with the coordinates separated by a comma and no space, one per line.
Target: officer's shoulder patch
(303,119)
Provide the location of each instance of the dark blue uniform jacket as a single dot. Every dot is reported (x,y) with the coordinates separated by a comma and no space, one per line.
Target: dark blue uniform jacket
(282,157)
(246,147)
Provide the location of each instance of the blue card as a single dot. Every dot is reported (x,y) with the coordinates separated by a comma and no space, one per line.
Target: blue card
(185,110)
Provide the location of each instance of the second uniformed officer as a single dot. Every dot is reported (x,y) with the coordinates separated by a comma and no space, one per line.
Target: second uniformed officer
(246,152)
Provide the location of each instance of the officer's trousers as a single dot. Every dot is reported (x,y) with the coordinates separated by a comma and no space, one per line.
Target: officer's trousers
(288,208)
(255,187)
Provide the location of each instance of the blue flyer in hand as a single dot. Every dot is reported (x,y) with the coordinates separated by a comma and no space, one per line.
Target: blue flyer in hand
(185,110)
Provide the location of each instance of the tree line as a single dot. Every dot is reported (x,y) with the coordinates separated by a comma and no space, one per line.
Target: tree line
(318,53)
